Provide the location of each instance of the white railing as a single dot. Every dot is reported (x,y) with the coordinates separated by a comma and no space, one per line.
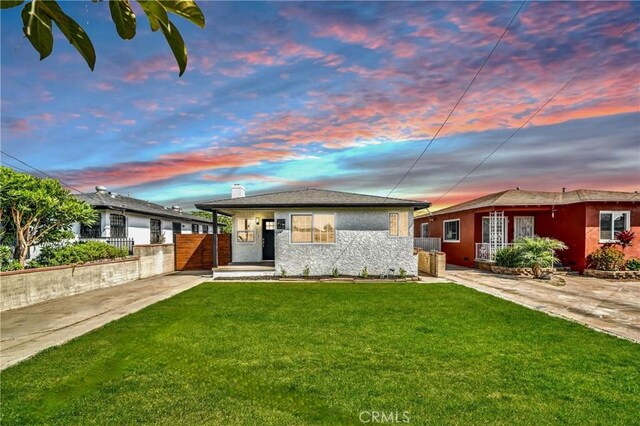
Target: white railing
(427,244)
(485,252)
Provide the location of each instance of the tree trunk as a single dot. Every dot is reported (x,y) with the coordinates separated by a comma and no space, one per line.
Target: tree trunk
(23,251)
(537,270)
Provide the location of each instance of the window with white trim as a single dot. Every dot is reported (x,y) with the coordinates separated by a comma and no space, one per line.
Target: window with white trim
(245,232)
(313,228)
(399,224)
(451,231)
(612,222)
(424,230)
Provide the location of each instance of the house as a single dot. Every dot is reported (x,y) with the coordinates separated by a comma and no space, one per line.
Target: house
(142,221)
(320,229)
(583,219)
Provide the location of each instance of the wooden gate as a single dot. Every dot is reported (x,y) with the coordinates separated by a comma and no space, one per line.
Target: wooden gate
(195,251)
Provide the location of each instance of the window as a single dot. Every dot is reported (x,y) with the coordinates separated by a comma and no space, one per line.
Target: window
(301,228)
(245,232)
(269,225)
(612,222)
(324,228)
(486,238)
(177,227)
(155,227)
(399,224)
(195,228)
(205,229)
(451,231)
(118,226)
(424,230)
(92,231)
(313,228)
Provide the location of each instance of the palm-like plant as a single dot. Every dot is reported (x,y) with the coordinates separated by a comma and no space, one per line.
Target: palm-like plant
(537,253)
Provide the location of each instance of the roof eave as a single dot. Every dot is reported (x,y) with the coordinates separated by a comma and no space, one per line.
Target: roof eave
(211,207)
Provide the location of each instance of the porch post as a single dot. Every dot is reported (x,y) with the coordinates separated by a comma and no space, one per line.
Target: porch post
(214,221)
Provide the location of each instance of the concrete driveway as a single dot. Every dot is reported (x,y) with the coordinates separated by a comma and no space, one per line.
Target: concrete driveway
(611,306)
(26,331)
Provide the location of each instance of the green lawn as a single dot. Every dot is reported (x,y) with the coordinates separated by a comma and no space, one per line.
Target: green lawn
(310,353)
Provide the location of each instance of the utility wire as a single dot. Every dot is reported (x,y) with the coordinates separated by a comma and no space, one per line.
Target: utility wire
(532,116)
(44,173)
(355,237)
(459,100)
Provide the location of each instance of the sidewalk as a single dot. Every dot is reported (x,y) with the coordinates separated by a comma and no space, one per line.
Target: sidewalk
(26,331)
(606,305)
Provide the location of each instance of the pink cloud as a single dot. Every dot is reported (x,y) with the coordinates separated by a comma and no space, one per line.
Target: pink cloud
(107,87)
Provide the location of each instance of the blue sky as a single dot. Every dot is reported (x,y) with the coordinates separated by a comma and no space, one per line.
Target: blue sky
(336,95)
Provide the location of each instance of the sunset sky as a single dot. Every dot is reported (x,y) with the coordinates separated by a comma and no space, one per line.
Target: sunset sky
(332,95)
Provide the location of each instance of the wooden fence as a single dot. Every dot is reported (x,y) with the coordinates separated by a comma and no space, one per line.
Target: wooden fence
(195,251)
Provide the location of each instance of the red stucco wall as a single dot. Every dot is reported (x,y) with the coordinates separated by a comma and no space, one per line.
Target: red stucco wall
(577,225)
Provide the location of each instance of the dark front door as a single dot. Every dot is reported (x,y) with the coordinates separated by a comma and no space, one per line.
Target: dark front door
(268,239)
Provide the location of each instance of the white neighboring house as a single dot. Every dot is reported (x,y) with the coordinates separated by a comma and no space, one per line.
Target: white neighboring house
(144,222)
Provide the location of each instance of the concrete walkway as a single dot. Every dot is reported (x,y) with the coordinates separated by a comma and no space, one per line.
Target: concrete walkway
(611,306)
(26,331)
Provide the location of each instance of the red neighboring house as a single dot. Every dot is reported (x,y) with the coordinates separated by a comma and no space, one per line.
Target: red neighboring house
(583,219)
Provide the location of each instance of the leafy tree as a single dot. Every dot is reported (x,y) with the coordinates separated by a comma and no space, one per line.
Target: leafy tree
(38,15)
(537,253)
(224,222)
(38,211)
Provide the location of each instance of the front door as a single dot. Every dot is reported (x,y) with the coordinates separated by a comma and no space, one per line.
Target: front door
(523,226)
(268,239)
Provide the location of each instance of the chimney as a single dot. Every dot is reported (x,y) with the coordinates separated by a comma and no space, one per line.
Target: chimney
(564,189)
(101,189)
(237,191)
(176,208)
(517,188)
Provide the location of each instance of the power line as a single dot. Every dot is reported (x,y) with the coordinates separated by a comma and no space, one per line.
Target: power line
(18,168)
(459,100)
(531,117)
(443,123)
(43,173)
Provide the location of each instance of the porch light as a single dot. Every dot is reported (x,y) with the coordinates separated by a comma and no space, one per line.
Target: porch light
(257,221)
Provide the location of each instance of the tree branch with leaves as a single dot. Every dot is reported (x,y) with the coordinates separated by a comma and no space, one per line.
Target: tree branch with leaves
(39,15)
(37,211)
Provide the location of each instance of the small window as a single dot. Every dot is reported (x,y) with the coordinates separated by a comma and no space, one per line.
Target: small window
(301,228)
(424,230)
(269,225)
(92,231)
(177,227)
(399,224)
(155,227)
(118,226)
(195,228)
(451,231)
(611,223)
(245,233)
(205,229)
(324,228)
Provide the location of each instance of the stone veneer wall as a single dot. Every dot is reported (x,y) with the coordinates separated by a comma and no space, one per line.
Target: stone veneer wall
(31,286)
(362,239)
(612,275)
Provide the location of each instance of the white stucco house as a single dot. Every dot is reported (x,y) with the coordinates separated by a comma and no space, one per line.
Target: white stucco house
(320,229)
(143,222)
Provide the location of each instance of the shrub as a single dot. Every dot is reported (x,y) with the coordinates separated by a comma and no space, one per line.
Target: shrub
(402,272)
(7,263)
(508,257)
(335,273)
(80,252)
(306,271)
(538,252)
(283,272)
(625,238)
(607,258)
(633,264)
(364,273)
